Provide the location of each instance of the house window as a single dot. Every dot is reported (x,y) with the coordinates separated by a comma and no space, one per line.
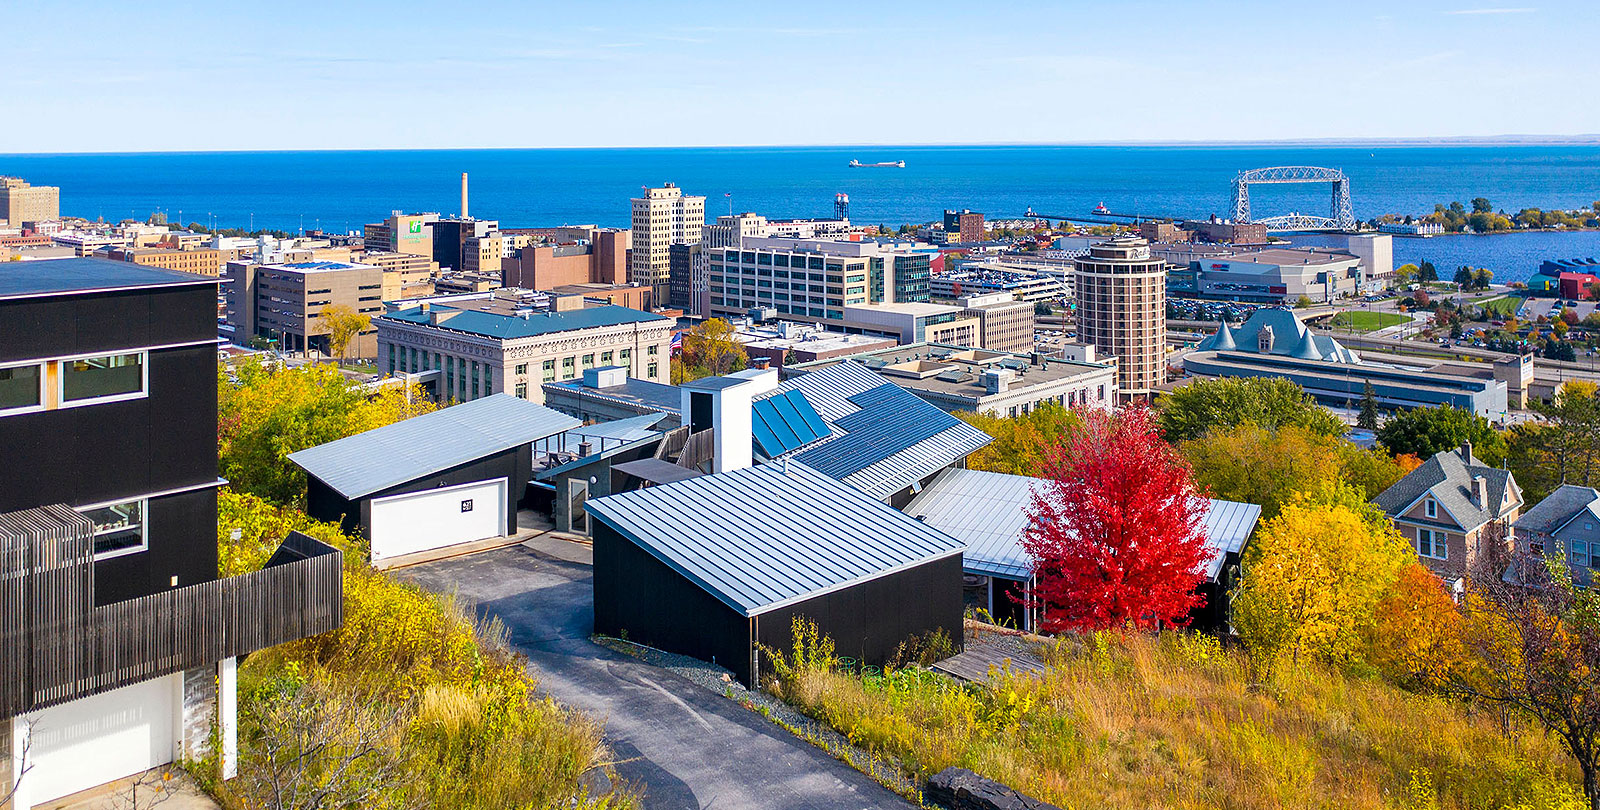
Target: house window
(1432,544)
(1431,507)
(119,528)
(116,376)
(522,390)
(21,388)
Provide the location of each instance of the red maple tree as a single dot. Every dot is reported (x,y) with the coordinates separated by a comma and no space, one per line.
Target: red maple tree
(1115,532)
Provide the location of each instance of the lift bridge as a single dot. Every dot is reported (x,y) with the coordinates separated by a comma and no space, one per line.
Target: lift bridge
(1343,217)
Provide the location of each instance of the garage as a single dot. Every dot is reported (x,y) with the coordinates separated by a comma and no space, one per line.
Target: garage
(718,566)
(103,738)
(442,479)
(422,521)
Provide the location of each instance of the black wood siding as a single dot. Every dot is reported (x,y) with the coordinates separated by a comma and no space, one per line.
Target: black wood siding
(868,620)
(111,451)
(658,607)
(638,597)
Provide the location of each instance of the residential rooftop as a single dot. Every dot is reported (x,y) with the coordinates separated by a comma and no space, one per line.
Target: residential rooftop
(86,275)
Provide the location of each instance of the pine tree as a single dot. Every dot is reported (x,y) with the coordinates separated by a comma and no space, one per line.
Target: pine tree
(1369,408)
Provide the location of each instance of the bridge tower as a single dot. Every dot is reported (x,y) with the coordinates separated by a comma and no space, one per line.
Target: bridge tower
(1341,212)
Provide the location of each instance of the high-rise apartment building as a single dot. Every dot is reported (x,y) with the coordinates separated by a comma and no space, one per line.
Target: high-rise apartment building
(963,226)
(661,218)
(20,202)
(1122,301)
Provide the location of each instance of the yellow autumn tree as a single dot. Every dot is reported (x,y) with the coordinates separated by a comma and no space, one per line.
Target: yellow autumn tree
(1314,575)
(1020,442)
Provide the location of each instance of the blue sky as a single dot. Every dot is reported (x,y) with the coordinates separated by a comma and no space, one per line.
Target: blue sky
(103,76)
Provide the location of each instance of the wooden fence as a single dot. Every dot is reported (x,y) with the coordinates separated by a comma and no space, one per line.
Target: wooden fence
(56,646)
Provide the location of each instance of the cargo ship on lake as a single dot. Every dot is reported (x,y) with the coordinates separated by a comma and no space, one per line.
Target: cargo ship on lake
(888,164)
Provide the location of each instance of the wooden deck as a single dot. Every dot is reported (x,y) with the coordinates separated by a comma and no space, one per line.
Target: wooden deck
(976,661)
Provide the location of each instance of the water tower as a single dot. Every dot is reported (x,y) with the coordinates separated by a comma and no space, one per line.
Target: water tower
(841,206)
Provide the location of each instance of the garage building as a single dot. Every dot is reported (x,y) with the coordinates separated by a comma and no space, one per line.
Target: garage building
(453,476)
(712,566)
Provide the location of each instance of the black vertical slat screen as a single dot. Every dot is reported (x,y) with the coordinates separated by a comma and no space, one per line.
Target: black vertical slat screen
(55,646)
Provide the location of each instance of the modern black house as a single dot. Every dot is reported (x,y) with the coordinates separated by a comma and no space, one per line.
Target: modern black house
(715,565)
(117,638)
(453,476)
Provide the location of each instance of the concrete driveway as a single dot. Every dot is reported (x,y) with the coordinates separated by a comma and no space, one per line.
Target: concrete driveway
(687,747)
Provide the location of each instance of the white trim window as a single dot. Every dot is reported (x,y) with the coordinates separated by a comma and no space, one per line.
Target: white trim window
(104,378)
(119,528)
(1430,507)
(21,388)
(1433,544)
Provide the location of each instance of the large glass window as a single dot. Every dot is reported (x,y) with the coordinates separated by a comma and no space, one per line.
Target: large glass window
(20,387)
(98,377)
(119,528)
(1432,544)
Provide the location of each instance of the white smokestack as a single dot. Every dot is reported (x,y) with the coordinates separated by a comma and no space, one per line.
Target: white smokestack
(463,195)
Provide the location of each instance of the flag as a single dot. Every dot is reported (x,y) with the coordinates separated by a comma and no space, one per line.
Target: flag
(677,343)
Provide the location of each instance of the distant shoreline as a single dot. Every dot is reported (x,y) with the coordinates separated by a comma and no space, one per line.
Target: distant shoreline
(1486,141)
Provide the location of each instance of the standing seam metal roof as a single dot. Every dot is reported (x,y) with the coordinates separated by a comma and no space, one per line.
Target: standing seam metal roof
(899,437)
(368,462)
(989,512)
(765,537)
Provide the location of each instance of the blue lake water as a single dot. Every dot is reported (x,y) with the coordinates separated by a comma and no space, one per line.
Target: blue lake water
(342,190)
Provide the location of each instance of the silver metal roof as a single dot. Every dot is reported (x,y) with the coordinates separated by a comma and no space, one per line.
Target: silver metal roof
(901,437)
(629,429)
(765,537)
(989,512)
(422,445)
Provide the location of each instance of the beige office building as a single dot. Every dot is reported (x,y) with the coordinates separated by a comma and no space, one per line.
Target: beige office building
(202,261)
(285,302)
(1122,303)
(20,202)
(404,274)
(401,233)
(662,218)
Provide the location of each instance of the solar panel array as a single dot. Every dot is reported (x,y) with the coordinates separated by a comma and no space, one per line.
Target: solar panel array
(890,420)
(785,422)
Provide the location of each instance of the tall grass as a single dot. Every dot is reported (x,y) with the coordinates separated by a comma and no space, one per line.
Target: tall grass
(1141,721)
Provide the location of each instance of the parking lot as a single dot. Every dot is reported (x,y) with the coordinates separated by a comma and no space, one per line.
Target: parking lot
(686,746)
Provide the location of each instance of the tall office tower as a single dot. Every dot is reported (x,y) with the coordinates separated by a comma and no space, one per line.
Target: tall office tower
(402,233)
(1122,303)
(661,218)
(20,202)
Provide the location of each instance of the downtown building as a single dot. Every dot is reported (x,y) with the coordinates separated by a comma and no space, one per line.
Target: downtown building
(23,203)
(1122,311)
(285,302)
(662,218)
(118,639)
(512,341)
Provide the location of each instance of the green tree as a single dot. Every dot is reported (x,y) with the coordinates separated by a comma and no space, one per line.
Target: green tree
(1562,448)
(1482,278)
(1481,205)
(1405,274)
(709,350)
(1368,418)
(1021,443)
(1251,464)
(1427,272)
(1268,402)
(1422,432)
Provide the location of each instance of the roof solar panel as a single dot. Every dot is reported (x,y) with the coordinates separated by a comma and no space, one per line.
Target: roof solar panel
(786,422)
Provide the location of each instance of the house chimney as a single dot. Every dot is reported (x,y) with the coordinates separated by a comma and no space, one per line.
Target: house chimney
(584,448)
(1466,452)
(1478,489)
(463,195)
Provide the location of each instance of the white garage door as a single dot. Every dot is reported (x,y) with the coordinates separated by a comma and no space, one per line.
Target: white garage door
(420,521)
(99,739)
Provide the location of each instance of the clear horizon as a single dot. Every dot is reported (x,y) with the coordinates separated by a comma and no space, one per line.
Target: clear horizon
(405,76)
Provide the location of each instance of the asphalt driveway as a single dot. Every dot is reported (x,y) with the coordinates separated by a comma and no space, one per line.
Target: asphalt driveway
(687,747)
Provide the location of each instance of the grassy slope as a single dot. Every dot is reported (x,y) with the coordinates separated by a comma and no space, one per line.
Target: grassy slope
(1139,722)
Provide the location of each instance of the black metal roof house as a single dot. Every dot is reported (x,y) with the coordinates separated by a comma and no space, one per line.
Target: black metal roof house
(710,567)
